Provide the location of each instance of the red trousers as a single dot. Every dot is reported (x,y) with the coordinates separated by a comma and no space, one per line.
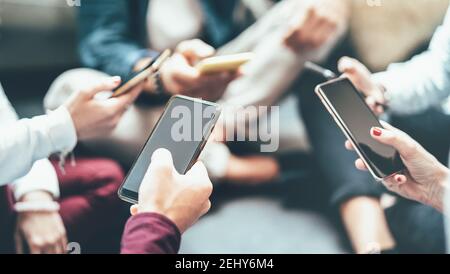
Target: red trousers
(92,213)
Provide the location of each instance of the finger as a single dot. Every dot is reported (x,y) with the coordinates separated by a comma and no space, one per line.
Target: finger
(161,158)
(134,210)
(400,179)
(107,84)
(195,50)
(349,145)
(359,164)
(373,105)
(388,126)
(348,65)
(121,103)
(206,207)
(404,144)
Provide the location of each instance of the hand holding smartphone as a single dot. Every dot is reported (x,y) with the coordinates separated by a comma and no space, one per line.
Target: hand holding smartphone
(349,110)
(183,129)
(143,74)
(225,63)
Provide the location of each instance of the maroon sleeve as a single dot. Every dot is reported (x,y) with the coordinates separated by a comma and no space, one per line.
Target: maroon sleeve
(150,233)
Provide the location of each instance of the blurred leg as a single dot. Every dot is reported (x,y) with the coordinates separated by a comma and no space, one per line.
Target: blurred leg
(89,203)
(419,228)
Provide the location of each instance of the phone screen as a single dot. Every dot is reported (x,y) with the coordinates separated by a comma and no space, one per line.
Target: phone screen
(358,119)
(182,129)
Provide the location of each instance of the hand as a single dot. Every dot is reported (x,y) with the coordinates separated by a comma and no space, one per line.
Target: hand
(320,21)
(362,79)
(149,85)
(44,232)
(181,198)
(179,75)
(95,118)
(425,179)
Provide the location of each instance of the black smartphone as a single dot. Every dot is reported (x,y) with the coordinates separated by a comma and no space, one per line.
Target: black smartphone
(183,129)
(137,77)
(350,111)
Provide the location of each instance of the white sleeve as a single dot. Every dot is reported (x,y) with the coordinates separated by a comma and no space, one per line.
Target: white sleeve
(423,81)
(24,142)
(42,176)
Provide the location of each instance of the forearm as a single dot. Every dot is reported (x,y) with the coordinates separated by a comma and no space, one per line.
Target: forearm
(29,140)
(150,233)
(423,81)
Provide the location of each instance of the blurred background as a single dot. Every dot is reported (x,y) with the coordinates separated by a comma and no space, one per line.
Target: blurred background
(38,41)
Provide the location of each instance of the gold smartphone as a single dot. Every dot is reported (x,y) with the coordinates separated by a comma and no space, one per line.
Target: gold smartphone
(224,63)
(143,74)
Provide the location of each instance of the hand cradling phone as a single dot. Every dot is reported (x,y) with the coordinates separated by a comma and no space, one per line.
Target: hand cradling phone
(349,110)
(183,129)
(224,63)
(137,77)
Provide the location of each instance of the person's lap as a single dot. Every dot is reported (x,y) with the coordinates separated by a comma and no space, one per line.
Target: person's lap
(91,211)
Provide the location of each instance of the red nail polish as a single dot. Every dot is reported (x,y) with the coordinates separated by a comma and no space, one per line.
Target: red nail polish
(377,132)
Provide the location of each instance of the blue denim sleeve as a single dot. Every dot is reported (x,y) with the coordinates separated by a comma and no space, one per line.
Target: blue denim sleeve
(109,39)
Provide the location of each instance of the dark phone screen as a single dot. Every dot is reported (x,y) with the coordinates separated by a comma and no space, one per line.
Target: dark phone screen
(359,119)
(181,129)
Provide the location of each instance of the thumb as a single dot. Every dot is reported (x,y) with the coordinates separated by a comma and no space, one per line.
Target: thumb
(161,158)
(350,65)
(354,70)
(404,144)
(107,84)
(195,50)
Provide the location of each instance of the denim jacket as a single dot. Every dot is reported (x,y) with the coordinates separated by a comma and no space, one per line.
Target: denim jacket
(113,33)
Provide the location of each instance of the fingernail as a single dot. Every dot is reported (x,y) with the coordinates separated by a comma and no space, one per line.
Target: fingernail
(377,131)
(399,179)
(115,79)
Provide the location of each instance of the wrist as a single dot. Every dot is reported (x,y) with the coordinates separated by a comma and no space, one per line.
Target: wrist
(151,209)
(38,195)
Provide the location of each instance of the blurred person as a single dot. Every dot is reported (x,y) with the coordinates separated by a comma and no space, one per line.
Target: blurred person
(416,88)
(169,203)
(51,204)
(118,37)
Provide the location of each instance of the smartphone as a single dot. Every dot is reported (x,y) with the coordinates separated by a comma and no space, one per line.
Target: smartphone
(350,111)
(137,77)
(183,129)
(224,63)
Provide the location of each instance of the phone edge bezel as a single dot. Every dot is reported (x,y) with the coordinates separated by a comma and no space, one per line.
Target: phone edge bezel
(204,140)
(325,101)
